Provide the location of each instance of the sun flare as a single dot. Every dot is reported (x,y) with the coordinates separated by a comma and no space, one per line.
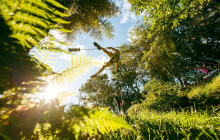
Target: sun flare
(50,92)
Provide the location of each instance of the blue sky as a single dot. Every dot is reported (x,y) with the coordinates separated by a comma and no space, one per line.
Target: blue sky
(122,25)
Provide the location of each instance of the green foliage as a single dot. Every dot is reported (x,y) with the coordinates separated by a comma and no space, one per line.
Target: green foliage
(162,96)
(99,91)
(63,96)
(209,89)
(24,24)
(167,96)
(45,56)
(89,17)
(187,36)
(50,121)
(50,43)
(163,15)
(169,113)
(103,121)
(30,20)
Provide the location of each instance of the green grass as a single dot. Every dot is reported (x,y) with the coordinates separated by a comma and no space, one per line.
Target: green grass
(183,122)
(176,125)
(171,125)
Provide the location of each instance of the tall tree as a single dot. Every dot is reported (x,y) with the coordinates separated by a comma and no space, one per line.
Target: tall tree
(90,17)
(178,34)
(99,92)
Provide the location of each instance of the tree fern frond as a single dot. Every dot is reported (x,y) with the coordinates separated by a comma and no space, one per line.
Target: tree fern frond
(30,20)
(25,28)
(67,77)
(107,28)
(25,39)
(57,4)
(64,95)
(80,59)
(78,68)
(72,62)
(95,33)
(64,30)
(34,10)
(61,21)
(41,32)
(76,62)
(103,121)
(24,17)
(50,43)
(44,56)
(41,5)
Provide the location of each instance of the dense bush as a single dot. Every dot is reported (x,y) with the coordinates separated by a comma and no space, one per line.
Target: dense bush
(167,96)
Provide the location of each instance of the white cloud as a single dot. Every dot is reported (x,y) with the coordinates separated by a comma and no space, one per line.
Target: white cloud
(131,35)
(118,3)
(125,18)
(65,56)
(126,13)
(133,16)
(126,5)
(103,59)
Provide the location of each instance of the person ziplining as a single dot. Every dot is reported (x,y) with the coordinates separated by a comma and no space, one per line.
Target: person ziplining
(114,58)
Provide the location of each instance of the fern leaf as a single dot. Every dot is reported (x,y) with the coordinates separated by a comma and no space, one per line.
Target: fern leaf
(41,32)
(70,75)
(57,4)
(58,82)
(60,14)
(34,10)
(40,54)
(78,73)
(76,62)
(45,56)
(78,68)
(72,62)
(41,5)
(61,79)
(107,28)
(103,121)
(25,39)
(67,77)
(60,21)
(65,30)
(75,75)
(35,56)
(80,59)
(64,95)
(19,16)
(84,59)
(27,28)
(96,34)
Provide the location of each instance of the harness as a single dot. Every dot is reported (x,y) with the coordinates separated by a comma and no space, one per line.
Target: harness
(111,60)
